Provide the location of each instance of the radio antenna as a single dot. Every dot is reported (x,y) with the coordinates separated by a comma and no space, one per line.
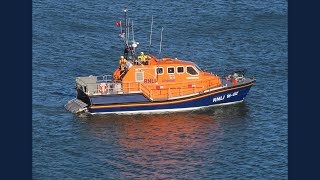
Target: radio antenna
(160,42)
(125,27)
(128,29)
(132,31)
(150,34)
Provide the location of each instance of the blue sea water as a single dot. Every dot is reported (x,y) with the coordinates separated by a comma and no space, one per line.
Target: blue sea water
(248,140)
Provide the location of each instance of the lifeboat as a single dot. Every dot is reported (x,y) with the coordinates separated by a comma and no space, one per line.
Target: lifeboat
(150,85)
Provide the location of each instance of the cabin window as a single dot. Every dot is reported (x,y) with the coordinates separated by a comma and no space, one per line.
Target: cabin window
(139,76)
(191,71)
(160,70)
(180,69)
(170,70)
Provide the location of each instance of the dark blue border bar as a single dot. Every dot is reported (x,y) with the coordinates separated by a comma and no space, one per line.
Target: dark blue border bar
(303,90)
(16,117)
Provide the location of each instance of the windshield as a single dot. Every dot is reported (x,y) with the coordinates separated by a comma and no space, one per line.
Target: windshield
(199,69)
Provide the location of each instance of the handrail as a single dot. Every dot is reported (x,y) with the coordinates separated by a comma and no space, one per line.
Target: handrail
(146,90)
(104,78)
(151,91)
(111,88)
(170,92)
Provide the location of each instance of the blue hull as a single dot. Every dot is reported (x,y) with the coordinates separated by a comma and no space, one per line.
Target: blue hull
(218,97)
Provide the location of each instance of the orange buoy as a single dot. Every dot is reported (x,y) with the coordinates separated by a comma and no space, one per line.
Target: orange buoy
(102,88)
(234,81)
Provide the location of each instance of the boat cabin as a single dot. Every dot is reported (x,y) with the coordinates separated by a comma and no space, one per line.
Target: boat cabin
(158,80)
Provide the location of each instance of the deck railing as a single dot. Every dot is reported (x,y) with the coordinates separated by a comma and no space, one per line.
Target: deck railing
(104,85)
(146,91)
(176,90)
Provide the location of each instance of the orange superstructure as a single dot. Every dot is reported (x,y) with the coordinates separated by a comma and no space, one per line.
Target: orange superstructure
(166,79)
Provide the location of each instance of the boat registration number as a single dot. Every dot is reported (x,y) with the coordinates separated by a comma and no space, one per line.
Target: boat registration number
(220,98)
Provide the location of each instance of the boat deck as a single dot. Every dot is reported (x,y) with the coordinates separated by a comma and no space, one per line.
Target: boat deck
(93,86)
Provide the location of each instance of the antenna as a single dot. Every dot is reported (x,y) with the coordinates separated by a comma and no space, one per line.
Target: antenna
(132,31)
(134,44)
(160,41)
(125,36)
(128,29)
(150,34)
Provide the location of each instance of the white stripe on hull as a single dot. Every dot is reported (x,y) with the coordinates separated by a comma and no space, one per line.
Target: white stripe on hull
(159,111)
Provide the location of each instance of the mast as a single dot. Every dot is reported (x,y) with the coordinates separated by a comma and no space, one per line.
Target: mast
(125,26)
(150,34)
(121,28)
(123,35)
(132,31)
(160,42)
(129,48)
(128,30)
(133,45)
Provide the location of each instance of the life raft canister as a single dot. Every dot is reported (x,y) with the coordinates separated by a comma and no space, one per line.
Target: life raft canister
(102,88)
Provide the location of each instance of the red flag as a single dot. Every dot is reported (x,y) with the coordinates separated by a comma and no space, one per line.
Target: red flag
(118,23)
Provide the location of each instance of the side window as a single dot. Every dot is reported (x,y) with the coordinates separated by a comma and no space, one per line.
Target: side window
(192,71)
(160,70)
(170,70)
(180,69)
(139,77)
